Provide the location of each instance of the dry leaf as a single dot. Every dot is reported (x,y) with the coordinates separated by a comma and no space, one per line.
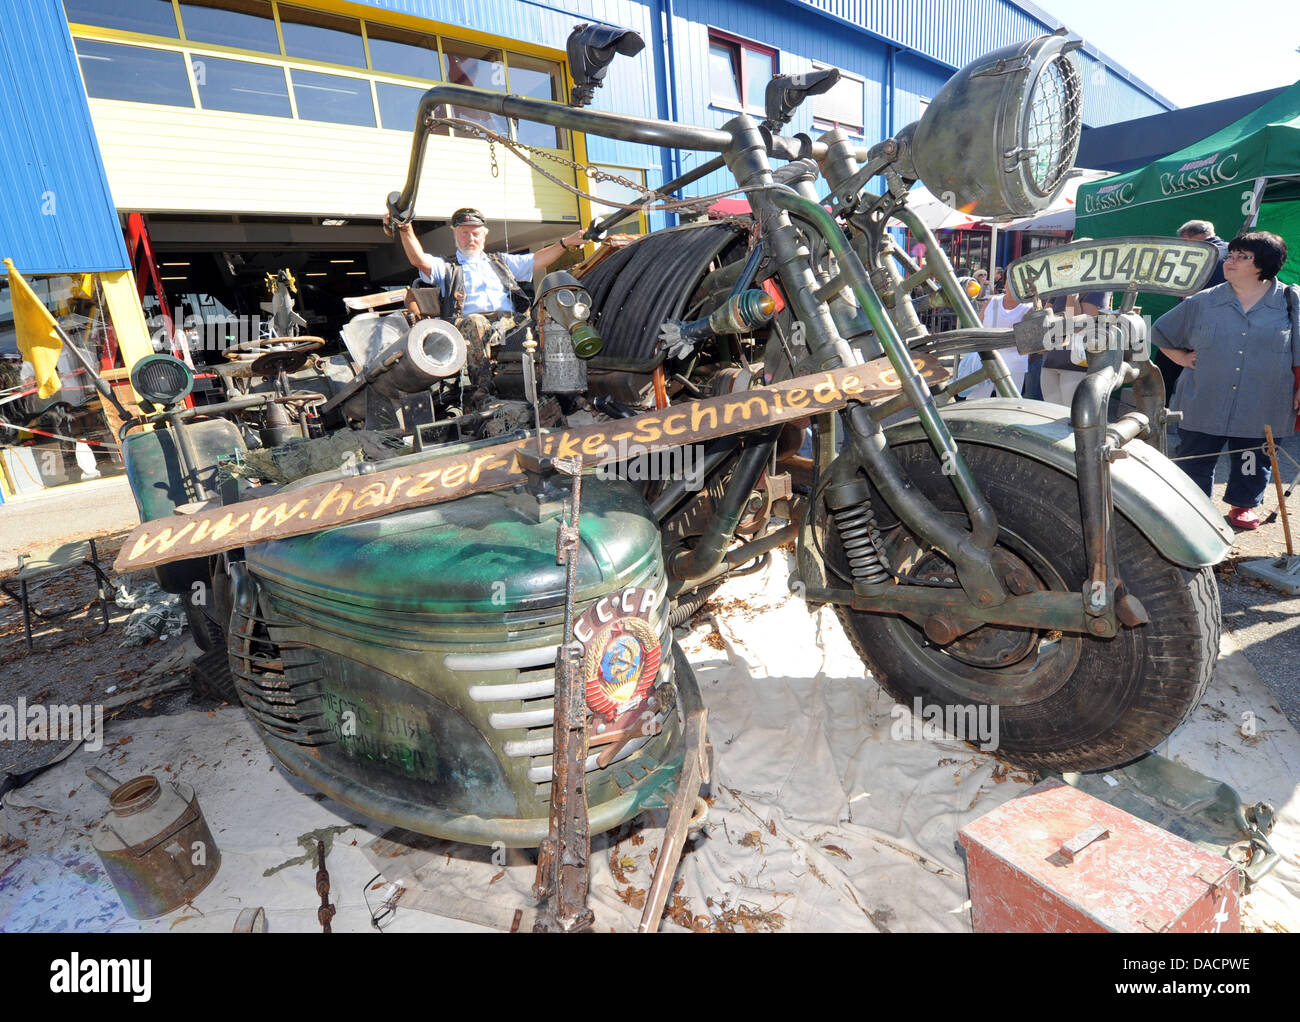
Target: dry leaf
(633,897)
(616,867)
(836,851)
(490,882)
(771,827)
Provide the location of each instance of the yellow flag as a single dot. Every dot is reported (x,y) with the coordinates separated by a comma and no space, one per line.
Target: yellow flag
(37,334)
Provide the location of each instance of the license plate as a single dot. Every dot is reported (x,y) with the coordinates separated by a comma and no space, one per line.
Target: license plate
(1170,266)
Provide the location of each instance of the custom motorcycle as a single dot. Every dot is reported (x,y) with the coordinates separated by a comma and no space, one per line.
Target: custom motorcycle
(379,540)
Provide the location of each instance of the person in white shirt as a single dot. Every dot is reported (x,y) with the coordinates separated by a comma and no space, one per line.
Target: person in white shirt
(480,290)
(485,292)
(1003,312)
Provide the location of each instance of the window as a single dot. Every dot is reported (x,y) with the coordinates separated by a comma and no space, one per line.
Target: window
(325,37)
(842,107)
(480,67)
(737,69)
(616,192)
(397,105)
(134,73)
(151,17)
(403,53)
(538,79)
(333,98)
(242,24)
(376,82)
(241,87)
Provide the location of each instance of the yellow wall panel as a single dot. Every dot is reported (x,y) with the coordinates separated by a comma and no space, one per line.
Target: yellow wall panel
(164,159)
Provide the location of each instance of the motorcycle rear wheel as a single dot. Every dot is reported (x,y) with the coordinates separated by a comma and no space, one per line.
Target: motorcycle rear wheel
(1065,702)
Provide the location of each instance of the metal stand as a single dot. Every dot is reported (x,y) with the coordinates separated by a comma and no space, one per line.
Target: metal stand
(1281,573)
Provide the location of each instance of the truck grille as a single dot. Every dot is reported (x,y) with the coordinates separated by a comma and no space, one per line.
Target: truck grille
(527,704)
(278,683)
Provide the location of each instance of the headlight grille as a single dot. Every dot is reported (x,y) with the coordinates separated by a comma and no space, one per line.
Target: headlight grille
(1053,122)
(162,379)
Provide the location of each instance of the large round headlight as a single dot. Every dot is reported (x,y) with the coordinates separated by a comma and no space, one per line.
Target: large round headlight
(162,379)
(1002,134)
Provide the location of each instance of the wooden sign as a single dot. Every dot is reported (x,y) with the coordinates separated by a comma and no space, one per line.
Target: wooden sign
(355,498)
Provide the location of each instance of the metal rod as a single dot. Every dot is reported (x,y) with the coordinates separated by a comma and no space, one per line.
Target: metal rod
(564,857)
(603,225)
(187,457)
(101,385)
(709,551)
(958,299)
(1088,417)
(626,128)
(1277,481)
(968,551)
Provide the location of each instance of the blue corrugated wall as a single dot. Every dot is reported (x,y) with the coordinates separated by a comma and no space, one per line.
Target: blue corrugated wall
(56,211)
(922,40)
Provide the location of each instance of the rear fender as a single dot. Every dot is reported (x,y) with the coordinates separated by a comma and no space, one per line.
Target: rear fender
(1149,490)
(154,471)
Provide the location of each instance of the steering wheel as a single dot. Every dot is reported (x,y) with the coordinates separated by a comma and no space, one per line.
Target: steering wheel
(304,399)
(288,360)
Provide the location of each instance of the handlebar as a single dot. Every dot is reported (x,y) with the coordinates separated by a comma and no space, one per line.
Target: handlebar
(625,128)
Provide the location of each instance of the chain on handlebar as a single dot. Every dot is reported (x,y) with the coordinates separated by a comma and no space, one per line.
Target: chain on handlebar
(664,203)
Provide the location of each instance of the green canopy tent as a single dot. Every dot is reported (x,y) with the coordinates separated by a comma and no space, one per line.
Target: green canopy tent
(1245,176)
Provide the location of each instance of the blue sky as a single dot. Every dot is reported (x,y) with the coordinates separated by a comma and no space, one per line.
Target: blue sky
(1243,47)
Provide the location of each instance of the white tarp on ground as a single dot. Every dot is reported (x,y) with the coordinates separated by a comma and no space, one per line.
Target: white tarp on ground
(821,821)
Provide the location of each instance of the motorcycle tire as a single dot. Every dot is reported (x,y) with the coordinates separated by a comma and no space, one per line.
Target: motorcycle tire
(210,677)
(208,635)
(1071,702)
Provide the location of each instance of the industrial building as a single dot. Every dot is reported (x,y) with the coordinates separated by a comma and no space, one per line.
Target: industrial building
(163,157)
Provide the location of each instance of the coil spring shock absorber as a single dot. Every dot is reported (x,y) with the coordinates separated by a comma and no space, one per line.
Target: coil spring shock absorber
(850,506)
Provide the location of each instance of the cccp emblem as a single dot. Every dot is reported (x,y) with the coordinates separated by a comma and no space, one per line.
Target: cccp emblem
(621,651)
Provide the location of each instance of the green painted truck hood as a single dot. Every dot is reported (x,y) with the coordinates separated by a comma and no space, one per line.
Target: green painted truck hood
(481,554)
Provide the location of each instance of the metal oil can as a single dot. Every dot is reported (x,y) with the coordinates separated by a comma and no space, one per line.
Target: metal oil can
(155,844)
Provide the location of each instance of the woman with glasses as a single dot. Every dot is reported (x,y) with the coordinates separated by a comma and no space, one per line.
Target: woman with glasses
(1240,342)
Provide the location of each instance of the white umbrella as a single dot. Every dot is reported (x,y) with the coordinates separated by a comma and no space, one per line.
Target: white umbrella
(936,215)
(1059,216)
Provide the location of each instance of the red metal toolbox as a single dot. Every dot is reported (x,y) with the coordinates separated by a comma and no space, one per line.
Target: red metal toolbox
(1055,860)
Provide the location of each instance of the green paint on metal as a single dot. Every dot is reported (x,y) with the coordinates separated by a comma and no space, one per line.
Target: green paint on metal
(1149,489)
(154,469)
(482,554)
